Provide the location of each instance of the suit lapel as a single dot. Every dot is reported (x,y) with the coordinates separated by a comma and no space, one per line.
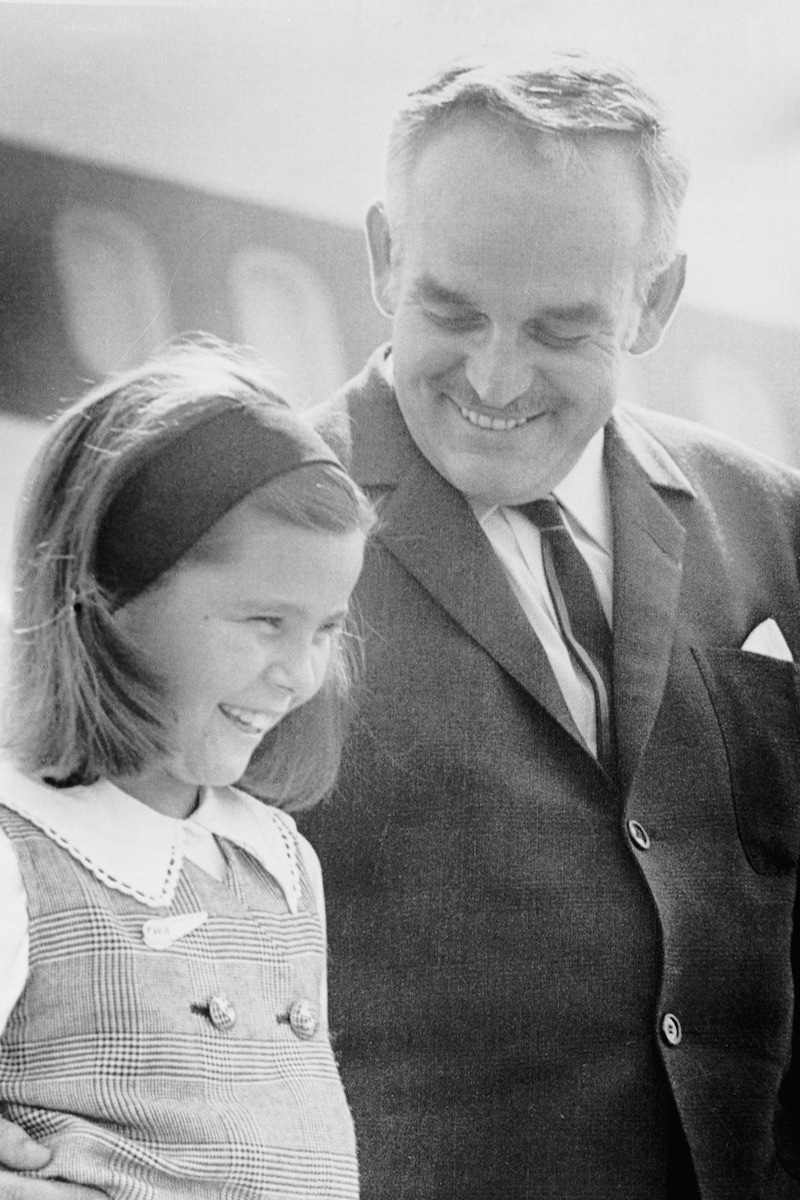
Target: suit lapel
(648,566)
(430,528)
(452,559)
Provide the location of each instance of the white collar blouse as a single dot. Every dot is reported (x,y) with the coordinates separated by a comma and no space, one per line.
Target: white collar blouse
(133,849)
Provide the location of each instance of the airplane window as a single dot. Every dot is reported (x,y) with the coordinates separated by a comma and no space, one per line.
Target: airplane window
(115,293)
(280,306)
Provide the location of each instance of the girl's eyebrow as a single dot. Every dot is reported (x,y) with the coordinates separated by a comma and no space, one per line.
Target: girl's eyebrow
(271,603)
(281,608)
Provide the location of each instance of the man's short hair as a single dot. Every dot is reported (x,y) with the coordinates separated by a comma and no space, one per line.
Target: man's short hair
(566,100)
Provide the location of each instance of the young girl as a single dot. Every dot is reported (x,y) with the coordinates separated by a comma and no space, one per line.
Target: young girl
(184,563)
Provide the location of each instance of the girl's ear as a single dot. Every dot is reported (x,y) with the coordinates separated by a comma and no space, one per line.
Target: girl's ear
(658,309)
(379,243)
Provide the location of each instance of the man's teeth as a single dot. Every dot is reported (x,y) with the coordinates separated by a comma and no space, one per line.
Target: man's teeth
(248,719)
(484,422)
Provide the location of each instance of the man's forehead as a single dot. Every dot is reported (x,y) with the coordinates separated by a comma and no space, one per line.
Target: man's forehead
(507,135)
(479,191)
(483,152)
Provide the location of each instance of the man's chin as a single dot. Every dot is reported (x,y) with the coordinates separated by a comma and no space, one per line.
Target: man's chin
(486,486)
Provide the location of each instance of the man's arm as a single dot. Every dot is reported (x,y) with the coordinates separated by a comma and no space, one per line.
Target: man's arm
(19,1153)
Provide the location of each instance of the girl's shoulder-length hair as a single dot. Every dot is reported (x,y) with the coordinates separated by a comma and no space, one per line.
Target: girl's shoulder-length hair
(81,704)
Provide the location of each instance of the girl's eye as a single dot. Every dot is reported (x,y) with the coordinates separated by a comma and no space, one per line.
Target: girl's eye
(266,622)
(332,627)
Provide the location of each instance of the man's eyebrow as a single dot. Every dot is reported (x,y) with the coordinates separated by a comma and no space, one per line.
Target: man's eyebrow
(582,313)
(428,288)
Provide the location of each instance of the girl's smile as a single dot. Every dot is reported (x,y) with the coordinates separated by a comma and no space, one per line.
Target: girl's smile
(251,723)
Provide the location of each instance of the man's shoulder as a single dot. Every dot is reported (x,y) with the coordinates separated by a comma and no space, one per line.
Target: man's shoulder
(353,405)
(332,420)
(702,453)
(363,425)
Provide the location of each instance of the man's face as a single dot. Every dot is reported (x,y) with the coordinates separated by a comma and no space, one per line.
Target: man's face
(513,294)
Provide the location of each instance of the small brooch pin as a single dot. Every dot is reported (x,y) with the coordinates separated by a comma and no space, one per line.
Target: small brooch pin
(160,933)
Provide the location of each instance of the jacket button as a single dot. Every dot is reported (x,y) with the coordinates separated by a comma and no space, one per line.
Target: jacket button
(638,835)
(221,1013)
(303,1019)
(671,1029)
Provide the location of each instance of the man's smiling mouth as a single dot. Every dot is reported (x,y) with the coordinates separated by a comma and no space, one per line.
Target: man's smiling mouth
(498,424)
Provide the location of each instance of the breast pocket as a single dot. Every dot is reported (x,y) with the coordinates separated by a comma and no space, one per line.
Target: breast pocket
(757,703)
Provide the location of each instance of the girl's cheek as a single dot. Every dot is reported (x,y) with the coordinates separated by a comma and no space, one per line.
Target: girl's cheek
(321,665)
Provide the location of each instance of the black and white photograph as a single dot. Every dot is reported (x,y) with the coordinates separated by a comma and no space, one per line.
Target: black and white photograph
(400,600)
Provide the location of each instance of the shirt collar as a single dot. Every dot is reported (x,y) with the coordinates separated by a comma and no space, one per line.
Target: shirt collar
(583,492)
(134,849)
(267,833)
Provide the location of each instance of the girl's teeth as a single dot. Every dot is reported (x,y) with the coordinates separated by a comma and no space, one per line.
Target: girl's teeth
(247,719)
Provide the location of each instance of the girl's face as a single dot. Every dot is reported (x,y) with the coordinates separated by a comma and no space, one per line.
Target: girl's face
(239,642)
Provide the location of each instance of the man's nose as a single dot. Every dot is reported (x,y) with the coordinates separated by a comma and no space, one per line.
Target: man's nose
(500,369)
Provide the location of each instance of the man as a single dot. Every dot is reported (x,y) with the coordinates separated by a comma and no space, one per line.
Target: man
(554,977)
(561,892)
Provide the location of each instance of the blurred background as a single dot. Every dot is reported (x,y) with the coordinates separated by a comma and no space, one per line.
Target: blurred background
(184,166)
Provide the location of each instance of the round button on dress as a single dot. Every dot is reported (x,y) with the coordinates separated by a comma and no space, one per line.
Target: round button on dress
(303,1019)
(221,1013)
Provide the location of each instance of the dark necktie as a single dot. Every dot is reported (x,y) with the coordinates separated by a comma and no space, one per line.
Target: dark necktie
(581,619)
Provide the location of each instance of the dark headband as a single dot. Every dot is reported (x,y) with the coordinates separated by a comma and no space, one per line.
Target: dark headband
(185,480)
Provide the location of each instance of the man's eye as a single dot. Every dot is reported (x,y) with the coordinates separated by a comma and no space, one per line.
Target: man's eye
(560,339)
(457,322)
(266,622)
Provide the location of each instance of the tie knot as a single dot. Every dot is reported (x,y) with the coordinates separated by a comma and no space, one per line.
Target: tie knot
(545,514)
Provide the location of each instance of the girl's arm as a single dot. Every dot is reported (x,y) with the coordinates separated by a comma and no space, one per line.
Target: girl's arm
(18,1152)
(13,931)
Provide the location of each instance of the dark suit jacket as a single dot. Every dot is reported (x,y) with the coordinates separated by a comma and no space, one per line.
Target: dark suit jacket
(523,996)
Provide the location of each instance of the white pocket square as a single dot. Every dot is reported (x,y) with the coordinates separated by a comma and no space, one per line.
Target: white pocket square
(767,639)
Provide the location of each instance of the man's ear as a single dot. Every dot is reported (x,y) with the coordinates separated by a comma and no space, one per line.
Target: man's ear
(659,306)
(379,243)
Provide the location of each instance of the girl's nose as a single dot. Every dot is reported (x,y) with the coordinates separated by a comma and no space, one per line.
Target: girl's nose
(294,672)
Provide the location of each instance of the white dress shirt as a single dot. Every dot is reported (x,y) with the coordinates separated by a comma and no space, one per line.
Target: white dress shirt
(584,500)
(136,850)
